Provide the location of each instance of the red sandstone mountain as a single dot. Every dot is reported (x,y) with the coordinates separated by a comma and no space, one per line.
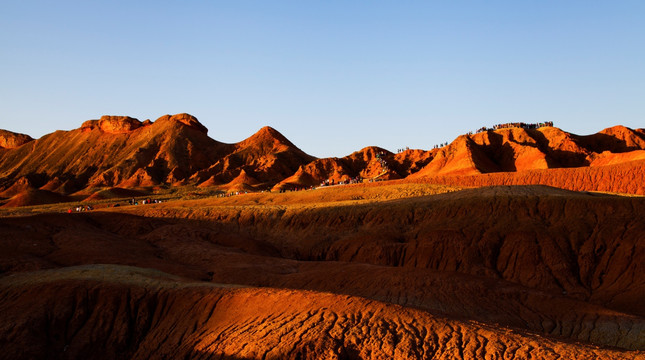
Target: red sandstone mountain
(510,150)
(518,149)
(119,151)
(370,163)
(114,151)
(123,152)
(396,270)
(615,139)
(267,157)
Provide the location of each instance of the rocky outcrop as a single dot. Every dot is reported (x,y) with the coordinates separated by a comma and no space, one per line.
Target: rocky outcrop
(616,139)
(185,119)
(12,140)
(369,163)
(18,186)
(32,197)
(267,154)
(112,124)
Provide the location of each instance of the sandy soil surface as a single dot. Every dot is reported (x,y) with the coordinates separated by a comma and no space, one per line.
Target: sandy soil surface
(374,271)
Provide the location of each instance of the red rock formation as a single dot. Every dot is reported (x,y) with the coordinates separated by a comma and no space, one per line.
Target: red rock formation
(158,316)
(267,154)
(461,157)
(369,163)
(615,139)
(609,158)
(244,178)
(540,263)
(20,185)
(512,149)
(185,119)
(517,149)
(210,182)
(114,193)
(176,151)
(315,172)
(242,183)
(620,177)
(411,161)
(11,140)
(115,151)
(35,197)
(112,124)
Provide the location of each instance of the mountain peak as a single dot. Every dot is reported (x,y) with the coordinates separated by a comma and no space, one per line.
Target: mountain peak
(268,132)
(112,124)
(12,140)
(185,119)
(616,139)
(267,137)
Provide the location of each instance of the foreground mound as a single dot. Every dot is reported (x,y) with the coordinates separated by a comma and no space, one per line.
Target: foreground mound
(36,197)
(536,259)
(115,193)
(154,315)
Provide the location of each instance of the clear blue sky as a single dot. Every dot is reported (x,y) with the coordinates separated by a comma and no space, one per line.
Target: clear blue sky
(332,76)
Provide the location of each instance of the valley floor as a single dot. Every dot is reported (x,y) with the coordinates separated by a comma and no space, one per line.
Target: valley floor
(369,271)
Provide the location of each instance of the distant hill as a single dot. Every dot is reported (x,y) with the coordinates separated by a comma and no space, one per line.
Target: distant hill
(267,157)
(175,150)
(119,151)
(370,163)
(517,149)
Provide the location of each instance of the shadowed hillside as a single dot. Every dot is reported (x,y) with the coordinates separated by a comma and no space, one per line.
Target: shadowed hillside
(518,149)
(547,265)
(367,164)
(159,316)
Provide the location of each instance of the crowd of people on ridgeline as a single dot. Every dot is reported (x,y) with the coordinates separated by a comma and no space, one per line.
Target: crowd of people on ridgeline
(297,188)
(515,125)
(234,193)
(331,182)
(504,126)
(398,151)
(80,208)
(381,159)
(134,201)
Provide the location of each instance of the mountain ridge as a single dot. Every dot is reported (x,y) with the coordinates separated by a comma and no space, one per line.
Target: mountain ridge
(175,150)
